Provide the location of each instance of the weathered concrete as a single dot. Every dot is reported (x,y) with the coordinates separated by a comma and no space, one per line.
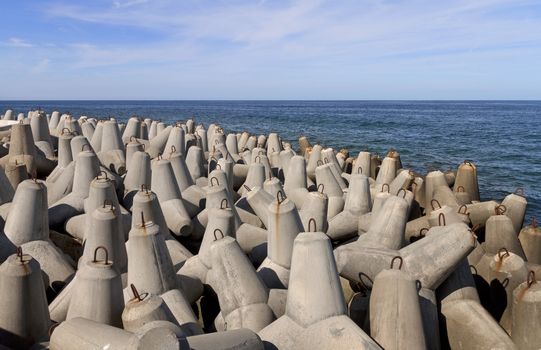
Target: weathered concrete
(470,326)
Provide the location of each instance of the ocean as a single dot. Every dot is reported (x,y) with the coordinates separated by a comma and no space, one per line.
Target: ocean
(503,138)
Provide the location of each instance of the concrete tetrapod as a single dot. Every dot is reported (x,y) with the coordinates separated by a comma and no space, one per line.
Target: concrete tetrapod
(315,315)
(112,151)
(295,185)
(506,272)
(60,181)
(241,293)
(395,314)
(358,202)
(86,169)
(259,201)
(132,130)
(165,186)
(176,139)
(97,295)
(331,188)
(132,147)
(329,157)
(470,326)
(272,186)
(387,171)
(195,160)
(101,193)
(220,225)
(138,175)
(145,204)
(28,220)
(530,238)
(24,317)
(315,208)
(284,225)
(144,308)
(40,133)
(361,164)
(83,334)
(499,232)
(515,208)
(466,177)
(103,231)
(433,181)
(149,263)
(254,178)
(27,225)
(527,313)
(429,260)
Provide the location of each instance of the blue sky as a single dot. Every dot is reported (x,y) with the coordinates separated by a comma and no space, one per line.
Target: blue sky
(298,49)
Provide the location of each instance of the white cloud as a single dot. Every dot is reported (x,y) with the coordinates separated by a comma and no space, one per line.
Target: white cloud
(18,42)
(123,4)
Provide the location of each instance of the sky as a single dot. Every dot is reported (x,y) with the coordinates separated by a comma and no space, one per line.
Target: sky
(270,49)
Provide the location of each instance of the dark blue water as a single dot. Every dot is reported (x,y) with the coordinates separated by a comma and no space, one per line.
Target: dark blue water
(503,138)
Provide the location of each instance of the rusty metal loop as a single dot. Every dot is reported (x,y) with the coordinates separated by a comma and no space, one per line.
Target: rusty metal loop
(503,253)
(280,196)
(142,219)
(468,162)
(533,223)
(102,175)
(465,210)
(65,129)
(20,253)
(472,267)
(423,231)
(247,188)
(173,149)
(319,162)
(135,292)
(359,170)
(531,278)
(96,254)
(212,182)
(107,202)
(460,189)
(476,228)
(144,146)
(441,217)
(362,283)
(222,204)
(402,190)
(86,145)
(133,138)
(388,188)
(326,160)
(432,204)
(322,188)
(144,187)
(397,258)
(312,220)
(216,236)
(500,209)
(257,159)
(218,166)
(519,191)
